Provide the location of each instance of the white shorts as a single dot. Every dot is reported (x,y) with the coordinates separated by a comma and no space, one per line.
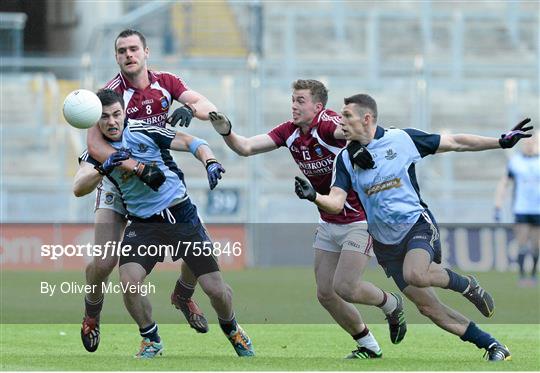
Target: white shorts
(108,197)
(338,237)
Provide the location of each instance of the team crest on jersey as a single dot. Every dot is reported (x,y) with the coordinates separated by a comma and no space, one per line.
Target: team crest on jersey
(109,198)
(164,103)
(318,150)
(390,154)
(142,148)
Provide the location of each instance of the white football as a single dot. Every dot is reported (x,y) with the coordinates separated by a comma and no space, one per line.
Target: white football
(82,108)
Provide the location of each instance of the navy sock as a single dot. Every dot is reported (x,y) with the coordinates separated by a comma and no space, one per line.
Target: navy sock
(521,264)
(93,309)
(457,282)
(535,265)
(151,332)
(183,290)
(478,337)
(228,325)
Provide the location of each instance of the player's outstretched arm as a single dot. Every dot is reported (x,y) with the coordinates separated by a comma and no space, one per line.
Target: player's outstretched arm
(100,150)
(244,146)
(195,105)
(200,149)
(471,143)
(332,203)
(86,179)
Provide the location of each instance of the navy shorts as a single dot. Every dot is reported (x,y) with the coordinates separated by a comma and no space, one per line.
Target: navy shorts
(424,234)
(532,219)
(177,231)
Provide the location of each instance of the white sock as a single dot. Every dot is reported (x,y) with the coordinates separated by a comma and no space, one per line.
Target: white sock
(369,342)
(390,305)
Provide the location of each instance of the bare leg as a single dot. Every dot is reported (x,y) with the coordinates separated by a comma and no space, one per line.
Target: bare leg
(348,282)
(138,306)
(109,227)
(345,314)
(430,306)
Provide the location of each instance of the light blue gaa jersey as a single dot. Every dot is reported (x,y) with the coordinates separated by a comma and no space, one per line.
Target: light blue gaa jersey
(148,144)
(525,171)
(389,192)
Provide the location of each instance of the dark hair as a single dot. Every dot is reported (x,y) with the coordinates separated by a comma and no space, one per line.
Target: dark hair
(317,89)
(130,32)
(364,102)
(109,97)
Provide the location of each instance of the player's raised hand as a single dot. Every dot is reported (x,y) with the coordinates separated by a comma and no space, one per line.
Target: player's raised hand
(114,160)
(221,123)
(182,116)
(304,190)
(150,175)
(360,156)
(510,138)
(214,169)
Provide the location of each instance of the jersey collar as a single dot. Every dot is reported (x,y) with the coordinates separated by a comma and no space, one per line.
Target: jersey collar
(316,120)
(379,132)
(127,85)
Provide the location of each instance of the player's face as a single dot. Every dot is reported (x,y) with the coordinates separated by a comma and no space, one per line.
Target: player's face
(303,107)
(111,122)
(131,55)
(355,123)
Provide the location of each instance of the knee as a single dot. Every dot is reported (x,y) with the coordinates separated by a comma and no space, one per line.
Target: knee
(99,270)
(420,280)
(127,278)
(347,291)
(326,296)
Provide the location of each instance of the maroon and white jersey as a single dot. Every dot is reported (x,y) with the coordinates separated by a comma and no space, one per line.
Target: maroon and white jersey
(314,152)
(151,104)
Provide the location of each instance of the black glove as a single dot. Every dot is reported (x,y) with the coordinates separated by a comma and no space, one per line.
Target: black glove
(214,169)
(510,138)
(360,156)
(182,116)
(304,190)
(114,160)
(221,123)
(150,175)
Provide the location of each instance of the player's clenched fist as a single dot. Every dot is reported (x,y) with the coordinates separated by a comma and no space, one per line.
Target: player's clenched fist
(214,169)
(221,123)
(304,190)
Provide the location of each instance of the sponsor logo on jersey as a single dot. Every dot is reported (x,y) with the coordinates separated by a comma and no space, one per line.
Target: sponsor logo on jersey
(390,154)
(164,103)
(131,234)
(142,148)
(148,102)
(385,185)
(132,110)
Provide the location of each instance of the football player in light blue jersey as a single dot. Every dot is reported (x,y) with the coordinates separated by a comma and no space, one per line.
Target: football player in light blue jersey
(379,165)
(161,215)
(524,173)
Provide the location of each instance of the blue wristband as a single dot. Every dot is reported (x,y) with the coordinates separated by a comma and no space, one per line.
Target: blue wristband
(194,145)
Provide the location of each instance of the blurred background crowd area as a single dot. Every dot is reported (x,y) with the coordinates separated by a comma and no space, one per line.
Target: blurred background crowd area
(440,66)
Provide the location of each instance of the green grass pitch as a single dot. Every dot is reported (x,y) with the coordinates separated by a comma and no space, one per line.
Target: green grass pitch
(279,310)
